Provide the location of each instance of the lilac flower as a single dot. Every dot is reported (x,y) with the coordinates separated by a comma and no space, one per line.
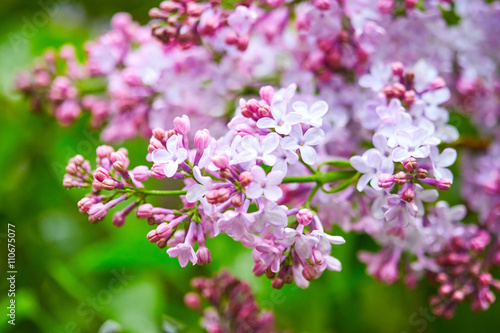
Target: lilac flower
(388,114)
(434,99)
(262,184)
(313,115)
(303,142)
(283,159)
(441,161)
(184,252)
(171,157)
(410,145)
(236,224)
(271,255)
(242,19)
(255,150)
(380,143)
(370,164)
(303,243)
(422,195)
(197,191)
(325,240)
(281,121)
(270,215)
(400,211)
(378,77)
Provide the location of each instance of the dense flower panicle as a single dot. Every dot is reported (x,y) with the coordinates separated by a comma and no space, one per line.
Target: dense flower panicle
(232,186)
(228,305)
(359,136)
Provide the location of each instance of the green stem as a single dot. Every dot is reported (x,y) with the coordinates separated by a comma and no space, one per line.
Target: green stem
(153,192)
(318,178)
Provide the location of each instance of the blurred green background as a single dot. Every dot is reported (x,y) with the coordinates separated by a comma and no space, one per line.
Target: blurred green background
(67,267)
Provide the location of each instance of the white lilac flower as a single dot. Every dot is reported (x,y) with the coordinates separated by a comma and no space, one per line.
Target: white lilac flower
(281,121)
(370,164)
(303,142)
(262,184)
(313,115)
(255,150)
(171,157)
(199,189)
(440,162)
(411,144)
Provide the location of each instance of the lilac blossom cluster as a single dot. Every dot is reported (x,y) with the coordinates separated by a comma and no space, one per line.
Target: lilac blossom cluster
(231,306)
(233,185)
(360,137)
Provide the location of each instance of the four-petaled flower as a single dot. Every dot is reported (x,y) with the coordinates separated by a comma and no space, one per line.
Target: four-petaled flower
(255,150)
(303,142)
(171,157)
(281,121)
(312,115)
(262,184)
(411,144)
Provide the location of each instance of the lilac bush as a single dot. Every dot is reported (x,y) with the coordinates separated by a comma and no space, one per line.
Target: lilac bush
(284,119)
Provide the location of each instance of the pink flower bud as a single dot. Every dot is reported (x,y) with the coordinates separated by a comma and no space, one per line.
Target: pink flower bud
(385,6)
(192,300)
(164,230)
(223,195)
(397,69)
(252,105)
(144,211)
(104,151)
(101,174)
(316,258)
(274,3)
(266,93)
(304,216)
(155,144)
(410,164)
(398,89)
(141,173)
(225,174)
(118,219)
(159,133)
(202,139)
(119,156)
(485,279)
(97,212)
(277,283)
(182,124)
(243,129)
(243,43)
(237,201)
(212,197)
(204,256)
(231,38)
(444,184)
(264,111)
(108,184)
(309,273)
(194,9)
(72,169)
(385,180)
(458,295)
(409,97)
(408,195)
(85,204)
(67,112)
(157,171)
(221,161)
(422,173)
(245,178)
(400,178)
(153,236)
(437,83)
(322,4)
(445,289)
